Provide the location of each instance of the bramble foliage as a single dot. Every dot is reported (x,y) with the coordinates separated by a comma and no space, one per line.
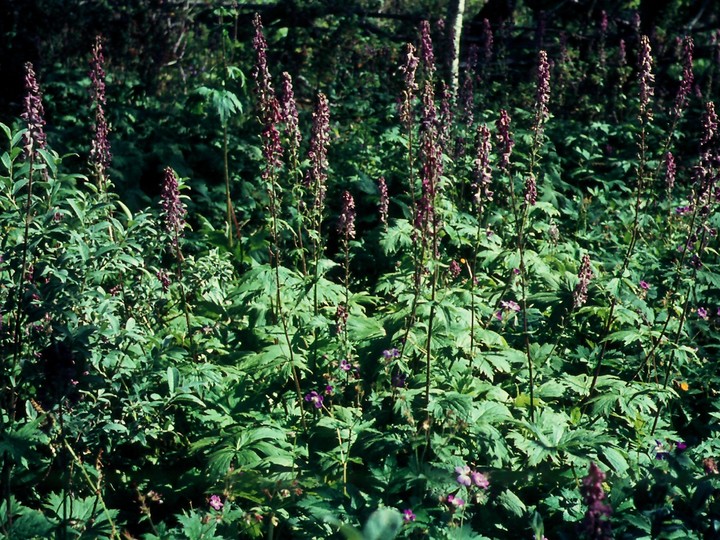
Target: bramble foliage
(382,310)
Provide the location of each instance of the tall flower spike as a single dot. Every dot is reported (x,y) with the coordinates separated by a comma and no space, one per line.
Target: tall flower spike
(542,95)
(270,113)
(290,114)
(426,50)
(670,169)
(647,79)
(431,158)
(33,114)
(688,78)
(100,156)
(316,176)
(505,139)
(530,190)
(487,41)
(384,200)
(408,69)
(482,171)
(580,293)
(346,221)
(173,208)
(596,523)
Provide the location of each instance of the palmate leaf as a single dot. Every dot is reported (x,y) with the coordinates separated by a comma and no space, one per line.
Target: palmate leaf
(19,442)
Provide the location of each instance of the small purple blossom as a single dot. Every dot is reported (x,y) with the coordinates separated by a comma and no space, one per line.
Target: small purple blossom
(408,515)
(702,313)
(680,446)
(314,398)
(480,480)
(457,502)
(509,305)
(345,365)
(464,475)
(644,285)
(389,354)
(399,379)
(329,390)
(215,502)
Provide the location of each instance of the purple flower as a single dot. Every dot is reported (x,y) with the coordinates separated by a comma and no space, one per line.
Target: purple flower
(670,169)
(345,365)
(100,155)
(581,289)
(384,200)
(399,379)
(480,480)
(596,523)
(505,138)
(509,305)
(482,172)
(457,502)
(329,390)
(455,269)
(33,114)
(702,313)
(341,317)
(408,515)
(314,398)
(644,285)
(173,208)
(680,446)
(316,176)
(647,78)
(409,69)
(346,221)
(464,475)
(530,190)
(164,279)
(389,354)
(216,502)
(426,49)
(687,78)
(289,112)
(542,95)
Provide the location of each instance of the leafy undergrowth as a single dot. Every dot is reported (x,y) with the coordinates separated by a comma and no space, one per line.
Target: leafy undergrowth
(483,314)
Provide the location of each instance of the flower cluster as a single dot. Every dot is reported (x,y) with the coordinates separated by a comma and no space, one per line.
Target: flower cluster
(346,220)
(289,112)
(530,190)
(505,139)
(687,78)
(542,94)
(100,155)
(426,50)
(173,208)
(596,523)
(33,114)
(670,170)
(384,200)
(482,172)
(468,477)
(647,78)
(507,306)
(431,158)
(581,289)
(408,69)
(316,176)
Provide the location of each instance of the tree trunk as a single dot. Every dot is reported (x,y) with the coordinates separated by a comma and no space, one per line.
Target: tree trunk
(457,10)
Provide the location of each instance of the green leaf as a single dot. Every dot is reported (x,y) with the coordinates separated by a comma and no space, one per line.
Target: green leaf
(173,376)
(512,503)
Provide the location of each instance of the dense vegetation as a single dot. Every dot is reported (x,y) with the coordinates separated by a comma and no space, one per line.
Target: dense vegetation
(293,281)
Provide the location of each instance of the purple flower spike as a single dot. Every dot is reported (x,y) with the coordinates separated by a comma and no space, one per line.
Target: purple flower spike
(645,64)
(33,114)
(581,289)
(596,524)
(173,207)
(384,200)
(346,221)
